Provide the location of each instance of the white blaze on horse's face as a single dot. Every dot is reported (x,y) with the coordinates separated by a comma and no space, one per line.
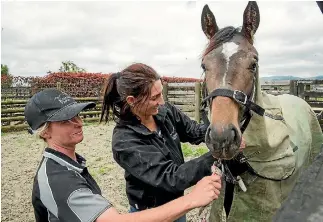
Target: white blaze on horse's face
(228,49)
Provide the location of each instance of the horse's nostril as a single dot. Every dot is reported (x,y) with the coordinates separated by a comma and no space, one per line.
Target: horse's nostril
(211,135)
(233,134)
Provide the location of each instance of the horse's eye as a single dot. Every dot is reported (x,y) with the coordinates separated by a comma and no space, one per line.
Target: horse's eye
(203,66)
(253,67)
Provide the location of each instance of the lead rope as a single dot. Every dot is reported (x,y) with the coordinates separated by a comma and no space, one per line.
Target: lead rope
(221,170)
(216,168)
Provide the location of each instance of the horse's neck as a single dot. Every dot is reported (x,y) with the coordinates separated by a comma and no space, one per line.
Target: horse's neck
(256,130)
(263,134)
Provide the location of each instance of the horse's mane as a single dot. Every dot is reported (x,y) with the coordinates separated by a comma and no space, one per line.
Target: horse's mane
(222,36)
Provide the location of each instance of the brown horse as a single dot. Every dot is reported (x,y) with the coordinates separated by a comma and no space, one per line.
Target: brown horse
(282,132)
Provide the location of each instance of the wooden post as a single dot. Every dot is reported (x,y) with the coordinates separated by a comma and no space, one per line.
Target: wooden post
(306,98)
(293,87)
(100,95)
(300,90)
(165,91)
(197,101)
(307,88)
(58,85)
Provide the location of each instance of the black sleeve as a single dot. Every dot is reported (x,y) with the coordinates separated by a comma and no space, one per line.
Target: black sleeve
(68,197)
(187,129)
(147,163)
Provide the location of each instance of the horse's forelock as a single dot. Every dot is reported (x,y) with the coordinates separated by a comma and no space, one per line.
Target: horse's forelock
(222,36)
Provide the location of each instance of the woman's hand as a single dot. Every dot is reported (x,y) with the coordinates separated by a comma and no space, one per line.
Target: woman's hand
(205,191)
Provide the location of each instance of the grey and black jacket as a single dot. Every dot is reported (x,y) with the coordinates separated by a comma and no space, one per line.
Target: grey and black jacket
(155,170)
(64,190)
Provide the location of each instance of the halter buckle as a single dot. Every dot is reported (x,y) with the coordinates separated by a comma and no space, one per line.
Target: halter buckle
(240,93)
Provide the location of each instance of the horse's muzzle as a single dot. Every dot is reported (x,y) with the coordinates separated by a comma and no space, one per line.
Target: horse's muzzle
(223,141)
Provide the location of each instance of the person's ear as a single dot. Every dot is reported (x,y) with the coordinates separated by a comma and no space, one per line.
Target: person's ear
(46,134)
(130,100)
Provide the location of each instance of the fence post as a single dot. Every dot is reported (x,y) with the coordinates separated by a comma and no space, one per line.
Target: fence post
(197,101)
(99,94)
(293,88)
(165,91)
(300,90)
(58,85)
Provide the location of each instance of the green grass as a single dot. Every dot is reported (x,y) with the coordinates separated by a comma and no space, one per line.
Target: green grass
(187,150)
(193,151)
(316,98)
(105,169)
(102,170)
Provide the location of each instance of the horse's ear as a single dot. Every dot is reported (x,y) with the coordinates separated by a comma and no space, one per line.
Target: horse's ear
(208,22)
(251,20)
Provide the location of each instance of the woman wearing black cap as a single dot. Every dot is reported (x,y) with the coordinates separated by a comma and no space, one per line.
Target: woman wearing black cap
(63,188)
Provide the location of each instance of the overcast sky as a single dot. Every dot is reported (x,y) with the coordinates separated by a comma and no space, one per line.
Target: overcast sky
(107,36)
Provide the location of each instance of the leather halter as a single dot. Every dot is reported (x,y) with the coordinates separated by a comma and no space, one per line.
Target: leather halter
(239,97)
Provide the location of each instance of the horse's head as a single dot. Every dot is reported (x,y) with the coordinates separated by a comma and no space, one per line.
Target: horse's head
(230,62)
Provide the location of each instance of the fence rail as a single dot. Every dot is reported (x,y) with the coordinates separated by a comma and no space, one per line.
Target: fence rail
(185,96)
(12,113)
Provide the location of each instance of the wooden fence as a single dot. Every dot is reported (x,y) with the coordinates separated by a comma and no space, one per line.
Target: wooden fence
(21,92)
(81,89)
(309,90)
(12,113)
(185,96)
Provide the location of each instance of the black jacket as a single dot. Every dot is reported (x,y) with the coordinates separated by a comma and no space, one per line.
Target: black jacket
(155,170)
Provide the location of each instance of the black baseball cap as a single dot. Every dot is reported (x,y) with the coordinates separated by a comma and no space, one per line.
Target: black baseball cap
(52,105)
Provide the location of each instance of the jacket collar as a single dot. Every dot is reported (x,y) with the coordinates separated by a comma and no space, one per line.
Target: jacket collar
(135,124)
(66,161)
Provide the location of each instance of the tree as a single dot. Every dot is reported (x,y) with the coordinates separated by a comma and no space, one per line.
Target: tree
(69,66)
(4,70)
(6,77)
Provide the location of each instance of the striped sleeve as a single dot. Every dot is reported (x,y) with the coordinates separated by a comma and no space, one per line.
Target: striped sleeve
(67,195)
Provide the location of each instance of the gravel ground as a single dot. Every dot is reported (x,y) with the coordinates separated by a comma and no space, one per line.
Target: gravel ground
(20,156)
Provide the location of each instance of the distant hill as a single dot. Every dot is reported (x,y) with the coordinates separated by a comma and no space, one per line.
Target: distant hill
(270,78)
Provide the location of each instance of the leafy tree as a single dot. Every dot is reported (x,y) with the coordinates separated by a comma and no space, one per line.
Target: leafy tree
(6,77)
(4,70)
(69,66)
